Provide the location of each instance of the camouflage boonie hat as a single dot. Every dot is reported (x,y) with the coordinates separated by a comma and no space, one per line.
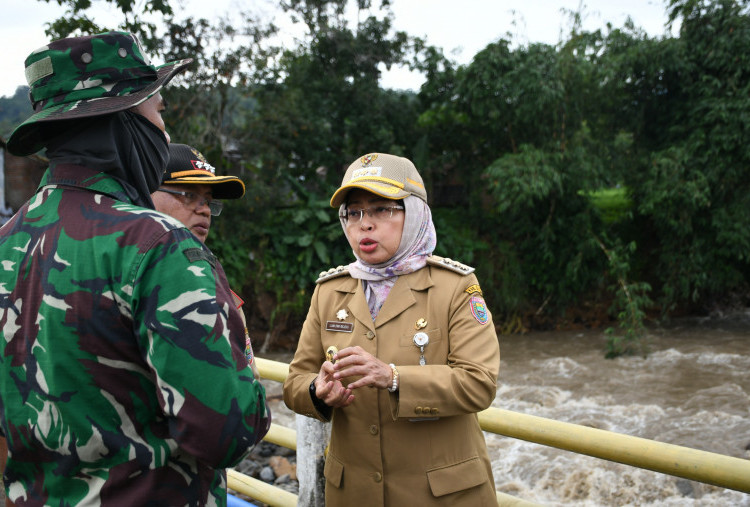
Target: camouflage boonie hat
(188,166)
(80,77)
(382,174)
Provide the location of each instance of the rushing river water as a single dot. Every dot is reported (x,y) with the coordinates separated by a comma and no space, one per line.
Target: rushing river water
(692,390)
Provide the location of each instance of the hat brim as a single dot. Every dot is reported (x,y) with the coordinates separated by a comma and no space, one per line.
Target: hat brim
(378,188)
(223,187)
(28,137)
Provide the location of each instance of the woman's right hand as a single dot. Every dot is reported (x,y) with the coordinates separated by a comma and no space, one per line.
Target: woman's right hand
(331,391)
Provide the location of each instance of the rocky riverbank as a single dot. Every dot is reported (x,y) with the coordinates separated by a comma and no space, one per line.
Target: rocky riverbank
(269,462)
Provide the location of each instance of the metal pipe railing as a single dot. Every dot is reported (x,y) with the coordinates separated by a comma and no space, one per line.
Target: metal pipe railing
(272,370)
(702,466)
(259,490)
(281,435)
(286,437)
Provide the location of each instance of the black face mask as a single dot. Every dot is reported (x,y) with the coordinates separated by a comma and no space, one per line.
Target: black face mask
(125,144)
(148,154)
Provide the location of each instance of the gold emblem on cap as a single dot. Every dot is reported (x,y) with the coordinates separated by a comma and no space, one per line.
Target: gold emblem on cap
(330,353)
(420,324)
(369,159)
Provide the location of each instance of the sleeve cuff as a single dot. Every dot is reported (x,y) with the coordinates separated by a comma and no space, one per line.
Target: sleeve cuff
(319,404)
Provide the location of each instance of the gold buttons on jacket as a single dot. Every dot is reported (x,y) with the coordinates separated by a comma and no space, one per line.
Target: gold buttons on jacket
(373,430)
(425,411)
(370,335)
(378,477)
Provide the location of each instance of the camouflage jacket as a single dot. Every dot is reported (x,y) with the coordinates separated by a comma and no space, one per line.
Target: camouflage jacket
(123,378)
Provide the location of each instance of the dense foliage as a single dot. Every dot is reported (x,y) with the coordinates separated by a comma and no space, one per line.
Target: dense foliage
(611,167)
(14,110)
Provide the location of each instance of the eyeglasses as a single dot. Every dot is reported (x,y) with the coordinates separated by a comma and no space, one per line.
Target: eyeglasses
(378,213)
(195,200)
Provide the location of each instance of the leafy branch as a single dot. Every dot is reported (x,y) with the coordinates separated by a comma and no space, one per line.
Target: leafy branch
(630,301)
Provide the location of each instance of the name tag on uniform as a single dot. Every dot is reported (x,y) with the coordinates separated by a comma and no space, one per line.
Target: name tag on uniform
(339,327)
(198,254)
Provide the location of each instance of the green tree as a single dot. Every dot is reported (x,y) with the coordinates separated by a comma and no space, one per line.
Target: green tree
(77,21)
(214,104)
(13,110)
(289,127)
(538,132)
(330,107)
(693,192)
(598,168)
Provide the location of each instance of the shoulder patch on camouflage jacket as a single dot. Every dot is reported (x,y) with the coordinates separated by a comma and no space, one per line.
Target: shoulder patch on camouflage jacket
(198,254)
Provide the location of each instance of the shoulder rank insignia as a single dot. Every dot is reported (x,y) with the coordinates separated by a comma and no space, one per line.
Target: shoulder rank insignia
(332,273)
(446,263)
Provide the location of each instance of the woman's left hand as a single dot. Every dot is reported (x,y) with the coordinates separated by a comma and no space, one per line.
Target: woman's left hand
(355,361)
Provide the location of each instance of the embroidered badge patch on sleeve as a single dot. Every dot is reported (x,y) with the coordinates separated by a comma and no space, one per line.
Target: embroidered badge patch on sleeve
(479,309)
(473,289)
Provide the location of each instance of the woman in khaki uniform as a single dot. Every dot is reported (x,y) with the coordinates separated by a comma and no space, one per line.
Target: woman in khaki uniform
(399,351)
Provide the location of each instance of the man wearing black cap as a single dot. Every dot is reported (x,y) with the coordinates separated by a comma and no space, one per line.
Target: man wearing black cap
(189,192)
(189,189)
(122,377)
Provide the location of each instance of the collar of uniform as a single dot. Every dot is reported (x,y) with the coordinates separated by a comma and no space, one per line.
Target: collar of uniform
(417,280)
(345,284)
(420,279)
(402,295)
(71,175)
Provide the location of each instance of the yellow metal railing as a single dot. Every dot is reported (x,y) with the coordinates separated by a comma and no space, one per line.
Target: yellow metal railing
(259,490)
(277,434)
(272,370)
(283,436)
(707,467)
(711,468)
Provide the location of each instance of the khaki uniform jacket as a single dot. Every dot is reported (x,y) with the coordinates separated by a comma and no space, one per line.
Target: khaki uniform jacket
(421,445)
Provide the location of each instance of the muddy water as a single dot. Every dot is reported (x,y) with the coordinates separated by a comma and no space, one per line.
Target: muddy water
(692,390)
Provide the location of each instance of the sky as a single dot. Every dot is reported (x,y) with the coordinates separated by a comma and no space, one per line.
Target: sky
(461,27)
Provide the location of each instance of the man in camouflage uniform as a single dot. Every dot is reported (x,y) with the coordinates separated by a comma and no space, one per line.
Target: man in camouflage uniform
(189,192)
(123,379)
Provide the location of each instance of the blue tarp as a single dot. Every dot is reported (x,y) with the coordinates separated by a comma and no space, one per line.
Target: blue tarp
(233,501)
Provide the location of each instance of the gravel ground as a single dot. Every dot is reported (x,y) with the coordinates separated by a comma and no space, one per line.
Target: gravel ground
(271,464)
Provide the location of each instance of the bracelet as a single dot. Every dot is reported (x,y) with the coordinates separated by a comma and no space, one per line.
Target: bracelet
(394,386)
